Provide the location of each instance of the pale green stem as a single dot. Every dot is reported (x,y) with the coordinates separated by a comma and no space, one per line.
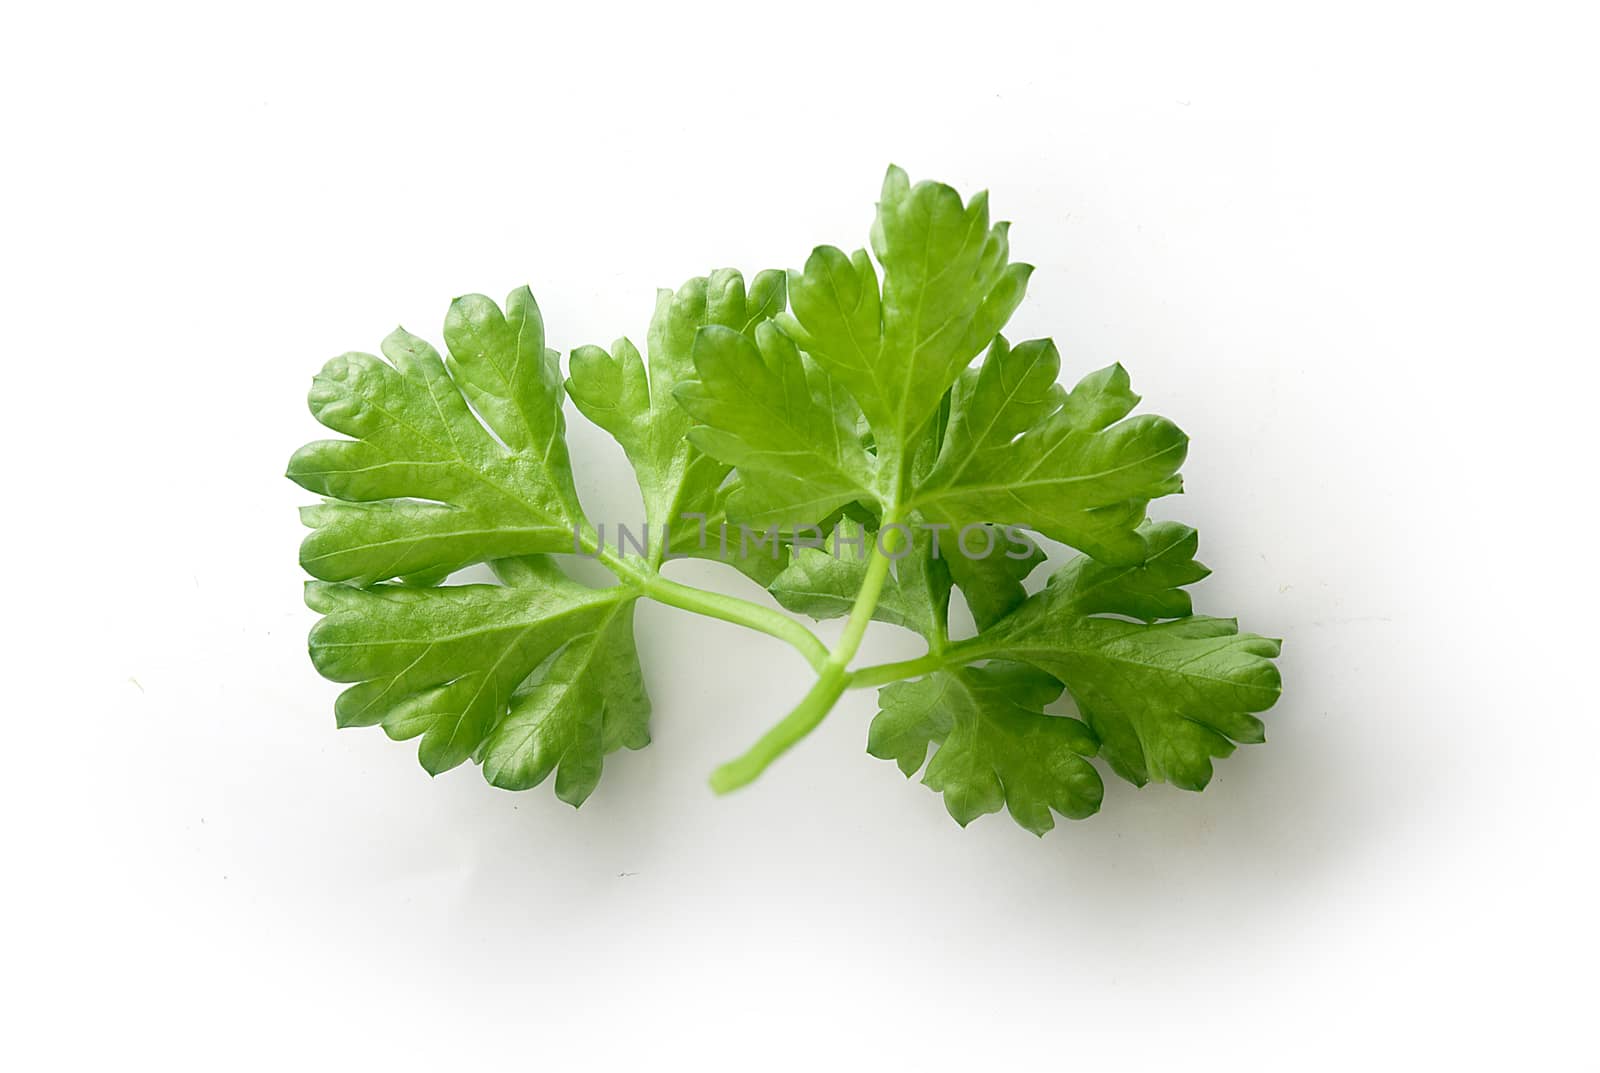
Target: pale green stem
(711,604)
(830,685)
(881,674)
(777,741)
(740,612)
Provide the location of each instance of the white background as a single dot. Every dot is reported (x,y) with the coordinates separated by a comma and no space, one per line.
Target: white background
(1352,252)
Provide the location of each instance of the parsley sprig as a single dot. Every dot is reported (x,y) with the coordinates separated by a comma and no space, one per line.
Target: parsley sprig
(867,397)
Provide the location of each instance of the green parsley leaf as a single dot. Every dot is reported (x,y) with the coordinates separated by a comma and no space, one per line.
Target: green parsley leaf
(424,487)
(948,287)
(447,664)
(1010,446)
(1161,698)
(995,745)
(1020,450)
(589,701)
(991,583)
(1164,697)
(614,390)
(790,430)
